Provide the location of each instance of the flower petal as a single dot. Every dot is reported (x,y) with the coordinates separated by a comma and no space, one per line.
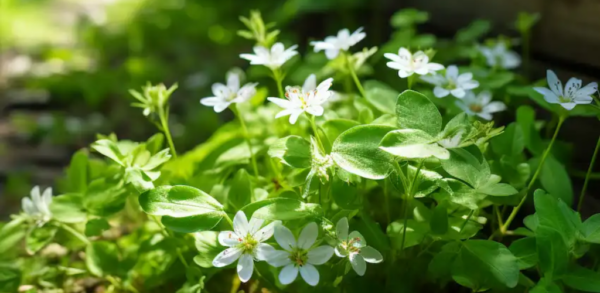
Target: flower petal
(211,101)
(310,274)
(484,97)
(572,86)
(549,95)
(359,240)
(458,92)
(340,252)
(294,116)
(284,237)
(568,106)
(28,206)
(310,83)
(308,236)
(240,224)
(283,103)
(315,110)
(358,264)
(331,53)
(229,238)
(288,274)
(371,255)
(341,229)
(494,107)
(440,92)
(554,83)
(226,257)
(452,72)
(264,251)
(279,258)
(254,225)
(434,67)
(266,232)
(221,107)
(233,81)
(245,267)
(320,255)
(587,90)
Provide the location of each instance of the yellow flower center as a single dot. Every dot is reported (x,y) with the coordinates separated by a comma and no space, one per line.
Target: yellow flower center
(299,256)
(476,108)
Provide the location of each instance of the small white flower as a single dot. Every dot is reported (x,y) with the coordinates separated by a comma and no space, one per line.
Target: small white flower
(299,255)
(225,95)
(572,95)
(246,244)
(500,56)
(273,58)
(480,105)
(38,207)
(354,247)
(299,100)
(407,63)
(342,42)
(451,142)
(452,83)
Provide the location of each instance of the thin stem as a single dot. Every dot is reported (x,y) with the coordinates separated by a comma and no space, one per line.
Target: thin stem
(75,233)
(410,81)
(587,175)
(409,197)
(515,210)
(313,125)
(247,137)
(466,221)
(166,233)
(278,77)
(228,219)
(386,194)
(164,122)
(361,90)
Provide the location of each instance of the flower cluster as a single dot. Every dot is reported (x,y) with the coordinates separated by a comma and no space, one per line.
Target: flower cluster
(298,255)
(38,206)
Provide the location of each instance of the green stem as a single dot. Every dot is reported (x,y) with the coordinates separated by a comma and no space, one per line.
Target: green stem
(409,197)
(228,219)
(361,90)
(313,125)
(410,81)
(247,137)
(278,77)
(75,233)
(164,122)
(386,194)
(466,221)
(515,210)
(587,175)
(166,233)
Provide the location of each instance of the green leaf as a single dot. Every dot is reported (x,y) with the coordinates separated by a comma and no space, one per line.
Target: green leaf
(485,264)
(281,209)
(110,149)
(138,179)
(10,279)
(104,198)
(415,233)
(207,244)
(357,151)
(192,224)
(511,142)
(293,151)
(408,17)
(582,279)
(462,194)
(334,127)
(101,258)
(440,266)
(412,143)
(525,250)
(11,234)
(372,231)
(439,220)
(415,111)
(38,237)
(545,285)
(77,173)
(467,164)
(155,143)
(381,96)
(179,201)
(555,178)
(68,208)
(345,194)
(591,229)
(240,192)
(531,136)
(474,31)
(95,227)
(552,251)
(554,214)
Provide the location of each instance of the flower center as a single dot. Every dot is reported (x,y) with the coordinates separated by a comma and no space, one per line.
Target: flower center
(349,245)
(476,108)
(248,244)
(231,97)
(563,99)
(299,256)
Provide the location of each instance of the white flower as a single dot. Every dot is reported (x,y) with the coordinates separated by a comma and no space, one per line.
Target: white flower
(299,100)
(452,83)
(274,58)
(572,95)
(246,244)
(343,41)
(407,63)
(480,105)
(299,255)
(451,142)
(38,207)
(225,95)
(354,247)
(500,56)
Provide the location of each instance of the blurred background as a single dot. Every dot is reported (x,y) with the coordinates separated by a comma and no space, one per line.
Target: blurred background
(66,65)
